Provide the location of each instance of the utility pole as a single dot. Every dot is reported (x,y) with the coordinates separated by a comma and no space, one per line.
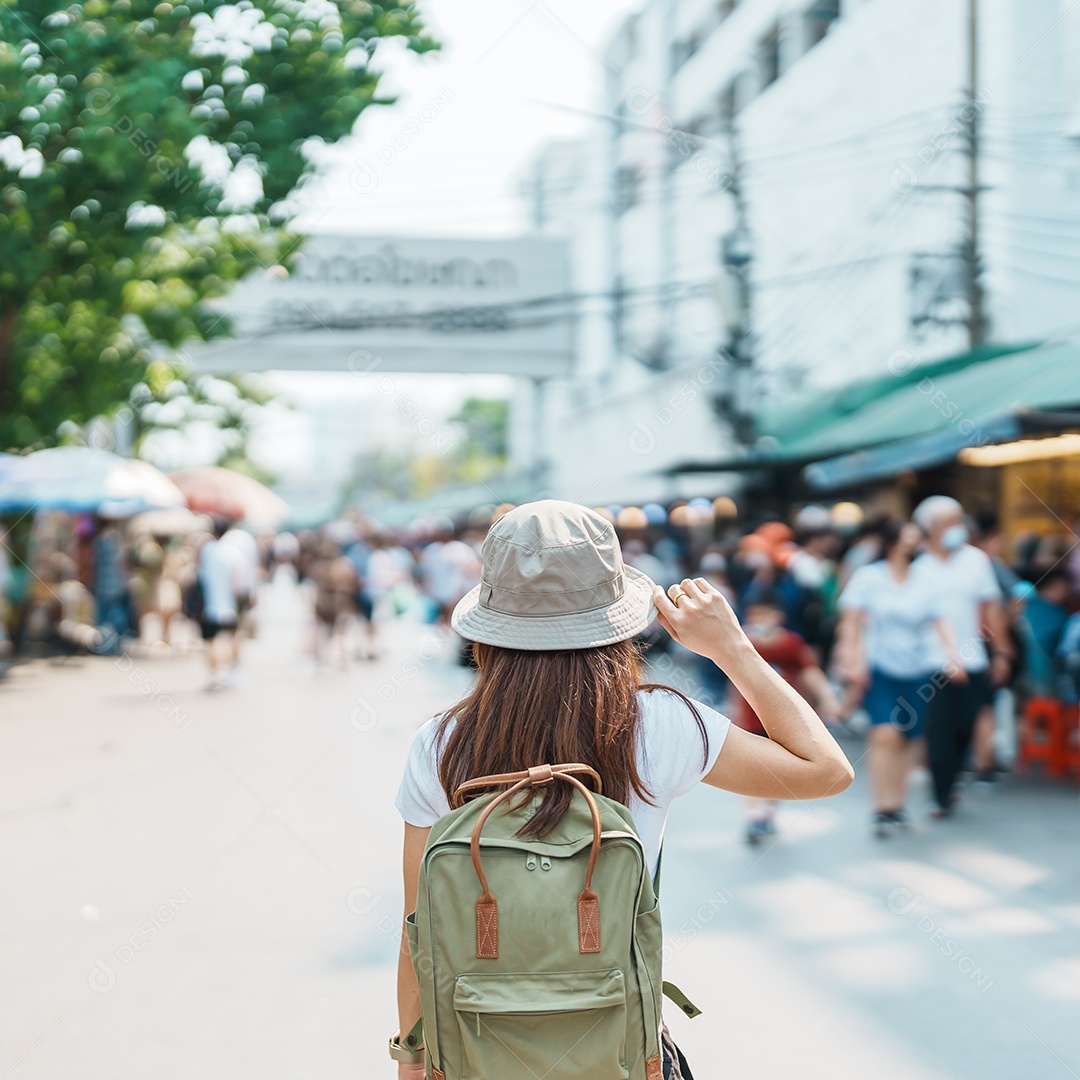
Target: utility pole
(736,254)
(973,245)
(668,210)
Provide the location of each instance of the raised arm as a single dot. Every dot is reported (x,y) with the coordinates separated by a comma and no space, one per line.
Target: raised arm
(800,759)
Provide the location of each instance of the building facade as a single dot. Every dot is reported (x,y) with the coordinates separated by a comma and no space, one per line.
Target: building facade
(779,194)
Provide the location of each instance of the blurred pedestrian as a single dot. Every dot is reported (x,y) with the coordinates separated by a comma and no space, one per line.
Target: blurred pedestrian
(654,638)
(6,580)
(448,569)
(390,574)
(73,610)
(963,579)
(714,683)
(1000,711)
(147,555)
(112,596)
(1068,654)
(359,554)
(285,551)
(1041,624)
(636,553)
(169,598)
(864,549)
(787,653)
(336,587)
(243,551)
(433,570)
(808,580)
(218,607)
(886,616)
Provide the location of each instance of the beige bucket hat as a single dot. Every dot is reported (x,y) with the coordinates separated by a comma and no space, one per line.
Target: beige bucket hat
(554,578)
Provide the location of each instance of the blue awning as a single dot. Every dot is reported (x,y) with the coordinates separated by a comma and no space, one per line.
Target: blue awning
(924,452)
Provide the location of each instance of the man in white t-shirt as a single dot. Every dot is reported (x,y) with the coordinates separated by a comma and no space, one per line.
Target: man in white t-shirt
(962,578)
(219,608)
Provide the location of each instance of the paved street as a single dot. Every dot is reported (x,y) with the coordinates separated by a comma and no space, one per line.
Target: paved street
(207,885)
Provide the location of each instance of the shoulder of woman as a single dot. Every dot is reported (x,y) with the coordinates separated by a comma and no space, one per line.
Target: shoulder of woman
(665,704)
(426,736)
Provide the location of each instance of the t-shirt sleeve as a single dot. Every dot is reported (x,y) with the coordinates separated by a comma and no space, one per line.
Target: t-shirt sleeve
(933,600)
(675,759)
(855,596)
(986,582)
(421,800)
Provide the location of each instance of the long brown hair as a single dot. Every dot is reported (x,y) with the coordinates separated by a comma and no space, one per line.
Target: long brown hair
(529,708)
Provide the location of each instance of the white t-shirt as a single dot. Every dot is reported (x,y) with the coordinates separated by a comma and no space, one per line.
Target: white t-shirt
(216,564)
(899,622)
(962,582)
(671,761)
(243,549)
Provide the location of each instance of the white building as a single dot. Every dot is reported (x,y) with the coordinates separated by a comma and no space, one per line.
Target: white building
(827,141)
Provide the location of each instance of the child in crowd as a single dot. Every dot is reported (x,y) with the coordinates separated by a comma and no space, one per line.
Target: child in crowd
(790,655)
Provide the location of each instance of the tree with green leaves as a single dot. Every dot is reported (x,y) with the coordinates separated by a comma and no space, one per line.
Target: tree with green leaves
(484,447)
(151,154)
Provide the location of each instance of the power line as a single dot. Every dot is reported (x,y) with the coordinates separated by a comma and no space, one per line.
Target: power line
(1049,278)
(1042,253)
(1067,222)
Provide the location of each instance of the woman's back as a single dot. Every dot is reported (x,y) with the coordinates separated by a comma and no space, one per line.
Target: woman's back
(554,623)
(671,759)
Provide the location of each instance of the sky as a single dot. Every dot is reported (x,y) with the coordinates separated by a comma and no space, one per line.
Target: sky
(509,78)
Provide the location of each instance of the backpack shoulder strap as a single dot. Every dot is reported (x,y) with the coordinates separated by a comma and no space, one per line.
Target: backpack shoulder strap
(670,990)
(674,994)
(415,1039)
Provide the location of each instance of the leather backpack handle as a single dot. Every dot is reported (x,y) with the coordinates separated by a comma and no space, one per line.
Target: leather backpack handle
(487,908)
(498,779)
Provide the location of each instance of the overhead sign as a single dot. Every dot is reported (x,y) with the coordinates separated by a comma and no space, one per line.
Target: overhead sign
(353,303)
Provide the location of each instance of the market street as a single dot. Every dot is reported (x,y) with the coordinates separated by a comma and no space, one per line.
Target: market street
(208,885)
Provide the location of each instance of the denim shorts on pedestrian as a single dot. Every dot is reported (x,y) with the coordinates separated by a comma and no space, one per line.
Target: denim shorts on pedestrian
(898,702)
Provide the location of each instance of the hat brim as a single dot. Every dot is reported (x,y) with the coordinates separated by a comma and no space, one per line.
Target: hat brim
(625,618)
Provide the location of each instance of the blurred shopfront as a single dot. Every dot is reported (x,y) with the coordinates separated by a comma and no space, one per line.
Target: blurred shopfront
(998,428)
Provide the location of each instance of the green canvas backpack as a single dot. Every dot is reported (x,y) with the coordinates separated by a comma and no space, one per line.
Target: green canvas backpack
(538,958)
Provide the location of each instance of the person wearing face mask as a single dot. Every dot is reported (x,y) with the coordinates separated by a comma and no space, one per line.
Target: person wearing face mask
(962,577)
(885,618)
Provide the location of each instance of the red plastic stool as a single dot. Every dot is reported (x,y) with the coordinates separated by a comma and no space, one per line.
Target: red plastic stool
(1043,736)
(1071,737)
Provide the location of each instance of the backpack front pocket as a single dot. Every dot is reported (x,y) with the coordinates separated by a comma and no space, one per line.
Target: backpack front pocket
(556,1025)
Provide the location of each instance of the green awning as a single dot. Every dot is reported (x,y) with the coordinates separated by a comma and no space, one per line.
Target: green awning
(918,415)
(958,394)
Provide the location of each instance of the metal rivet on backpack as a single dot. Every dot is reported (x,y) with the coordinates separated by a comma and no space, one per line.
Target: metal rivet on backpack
(545,863)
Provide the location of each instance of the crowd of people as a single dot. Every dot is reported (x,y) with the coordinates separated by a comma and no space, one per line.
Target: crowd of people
(85,585)
(925,631)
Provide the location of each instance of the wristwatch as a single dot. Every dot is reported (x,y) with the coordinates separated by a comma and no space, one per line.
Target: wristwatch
(405,1057)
